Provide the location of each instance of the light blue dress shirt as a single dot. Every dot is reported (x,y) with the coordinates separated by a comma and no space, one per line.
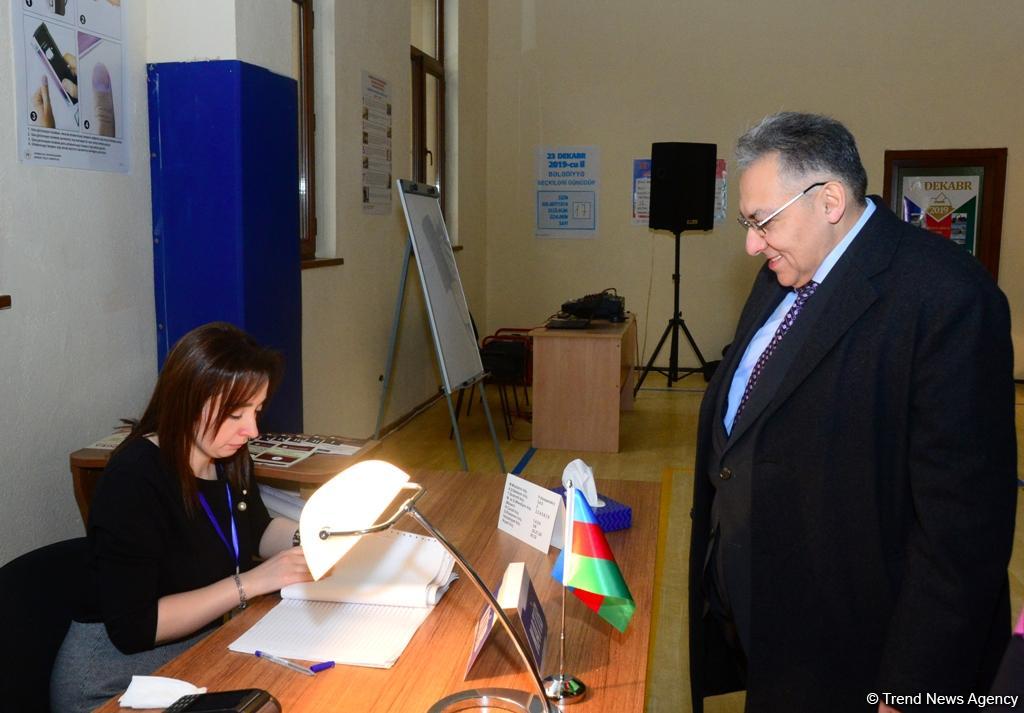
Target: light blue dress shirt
(767,331)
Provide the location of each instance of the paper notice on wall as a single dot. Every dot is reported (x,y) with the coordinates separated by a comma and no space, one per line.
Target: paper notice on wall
(567,191)
(945,205)
(71,93)
(376,145)
(641,191)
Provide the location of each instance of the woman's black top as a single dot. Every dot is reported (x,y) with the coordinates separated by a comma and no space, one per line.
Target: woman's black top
(145,545)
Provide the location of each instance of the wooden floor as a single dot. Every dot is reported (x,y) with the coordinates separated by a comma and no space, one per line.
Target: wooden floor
(657,440)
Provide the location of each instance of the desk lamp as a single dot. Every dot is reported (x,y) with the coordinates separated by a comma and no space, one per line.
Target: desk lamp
(348,507)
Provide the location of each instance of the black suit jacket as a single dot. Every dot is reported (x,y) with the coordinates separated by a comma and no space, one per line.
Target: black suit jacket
(882,485)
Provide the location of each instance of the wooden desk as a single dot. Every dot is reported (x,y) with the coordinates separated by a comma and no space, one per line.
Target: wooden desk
(582,379)
(87,466)
(464,506)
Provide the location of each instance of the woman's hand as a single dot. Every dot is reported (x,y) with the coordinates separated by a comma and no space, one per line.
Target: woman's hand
(182,614)
(280,570)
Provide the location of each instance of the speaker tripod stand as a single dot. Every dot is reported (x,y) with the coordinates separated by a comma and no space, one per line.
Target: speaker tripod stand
(674,372)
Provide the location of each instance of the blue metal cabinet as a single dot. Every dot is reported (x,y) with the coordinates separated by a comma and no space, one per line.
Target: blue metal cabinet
(224,161)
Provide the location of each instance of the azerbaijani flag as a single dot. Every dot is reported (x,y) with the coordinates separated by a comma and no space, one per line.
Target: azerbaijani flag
(591,573)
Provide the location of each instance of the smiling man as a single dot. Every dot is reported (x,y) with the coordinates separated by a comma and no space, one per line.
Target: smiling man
(855,482)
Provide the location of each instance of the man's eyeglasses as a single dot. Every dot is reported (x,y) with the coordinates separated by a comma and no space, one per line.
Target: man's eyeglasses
(759,226)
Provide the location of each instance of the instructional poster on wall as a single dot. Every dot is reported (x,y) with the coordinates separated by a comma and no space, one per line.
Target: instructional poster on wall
(641,191)
(567,191)
(376,145)
(945,205)
(721,191)
(71,90)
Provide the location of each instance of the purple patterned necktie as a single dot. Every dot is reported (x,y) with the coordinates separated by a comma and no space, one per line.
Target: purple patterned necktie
(802,295)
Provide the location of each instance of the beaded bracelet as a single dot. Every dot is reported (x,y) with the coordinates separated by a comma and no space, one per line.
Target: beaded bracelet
(243,601)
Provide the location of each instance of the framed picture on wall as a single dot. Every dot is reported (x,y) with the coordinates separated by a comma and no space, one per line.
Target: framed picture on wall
(956,193)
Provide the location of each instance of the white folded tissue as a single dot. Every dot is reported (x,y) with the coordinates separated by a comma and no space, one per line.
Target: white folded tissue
(581,475)
(156,692)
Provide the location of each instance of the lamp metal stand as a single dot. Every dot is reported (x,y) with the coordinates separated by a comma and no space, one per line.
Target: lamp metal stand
(673,371)
(499,698)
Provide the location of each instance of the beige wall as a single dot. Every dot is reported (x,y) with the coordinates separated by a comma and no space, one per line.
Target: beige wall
(79,343)
(466,85)
(347,310)
(918,74)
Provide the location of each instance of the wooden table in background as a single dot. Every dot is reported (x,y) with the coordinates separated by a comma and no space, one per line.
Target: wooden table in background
(464,507)
(582,378)
(87,466)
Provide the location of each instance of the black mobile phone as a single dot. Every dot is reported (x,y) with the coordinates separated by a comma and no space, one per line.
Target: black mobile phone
(247,700)
(51,53)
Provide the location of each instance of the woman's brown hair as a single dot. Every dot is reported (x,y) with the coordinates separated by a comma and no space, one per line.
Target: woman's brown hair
(218,364)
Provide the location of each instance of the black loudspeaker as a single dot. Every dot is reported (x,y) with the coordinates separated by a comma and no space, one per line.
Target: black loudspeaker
(682,186)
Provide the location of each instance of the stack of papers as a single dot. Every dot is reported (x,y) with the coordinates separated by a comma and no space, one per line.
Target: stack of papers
(331,445)
(365,612)
(109,443)
(282,503)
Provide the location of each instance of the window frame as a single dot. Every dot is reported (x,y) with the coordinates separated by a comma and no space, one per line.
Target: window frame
(307,134)
(422,65)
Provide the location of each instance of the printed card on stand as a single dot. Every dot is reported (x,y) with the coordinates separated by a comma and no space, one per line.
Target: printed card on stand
(531,513)
(518,599)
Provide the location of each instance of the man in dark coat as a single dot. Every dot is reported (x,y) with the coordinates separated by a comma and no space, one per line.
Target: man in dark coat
(855,484)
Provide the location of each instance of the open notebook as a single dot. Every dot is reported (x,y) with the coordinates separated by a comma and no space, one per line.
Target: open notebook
(365,611)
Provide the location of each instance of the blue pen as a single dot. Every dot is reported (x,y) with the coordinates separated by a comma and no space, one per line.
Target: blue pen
(318,667)
(284,662)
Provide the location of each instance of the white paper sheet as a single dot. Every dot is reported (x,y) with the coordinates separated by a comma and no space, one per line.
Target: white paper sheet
(391,567)
(366,611)
(353,634)
(282,503)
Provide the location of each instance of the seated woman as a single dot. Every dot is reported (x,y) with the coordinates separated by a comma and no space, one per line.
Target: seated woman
(177,527)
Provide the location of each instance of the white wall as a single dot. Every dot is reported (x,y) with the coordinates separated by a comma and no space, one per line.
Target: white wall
(918,74)
(78,347)
(79,344)
(260,32)
(188,30)
(266,34)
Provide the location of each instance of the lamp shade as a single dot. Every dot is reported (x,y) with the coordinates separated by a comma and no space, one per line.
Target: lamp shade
(351,500)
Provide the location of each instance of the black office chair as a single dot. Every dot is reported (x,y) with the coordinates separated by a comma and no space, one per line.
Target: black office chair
(507,359)
(38,594)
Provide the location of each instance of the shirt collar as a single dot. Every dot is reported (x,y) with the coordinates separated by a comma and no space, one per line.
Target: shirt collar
(837,252)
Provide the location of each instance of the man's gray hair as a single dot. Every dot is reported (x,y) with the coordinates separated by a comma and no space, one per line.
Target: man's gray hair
(806,144)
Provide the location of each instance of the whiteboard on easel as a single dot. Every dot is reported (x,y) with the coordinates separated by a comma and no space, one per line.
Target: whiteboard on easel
(457,350)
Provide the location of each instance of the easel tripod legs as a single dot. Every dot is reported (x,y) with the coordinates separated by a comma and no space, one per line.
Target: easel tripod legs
(455,430)
(453,415)
(389,364)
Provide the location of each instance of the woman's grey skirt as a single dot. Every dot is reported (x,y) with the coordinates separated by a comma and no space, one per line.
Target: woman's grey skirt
(89,669)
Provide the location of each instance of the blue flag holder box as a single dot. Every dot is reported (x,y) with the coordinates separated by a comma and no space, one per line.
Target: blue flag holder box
(613,516)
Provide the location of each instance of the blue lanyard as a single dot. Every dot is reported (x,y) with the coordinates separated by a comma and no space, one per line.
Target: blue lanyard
(216,525)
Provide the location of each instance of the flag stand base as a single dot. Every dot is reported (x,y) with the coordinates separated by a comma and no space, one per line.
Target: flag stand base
(564,689)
